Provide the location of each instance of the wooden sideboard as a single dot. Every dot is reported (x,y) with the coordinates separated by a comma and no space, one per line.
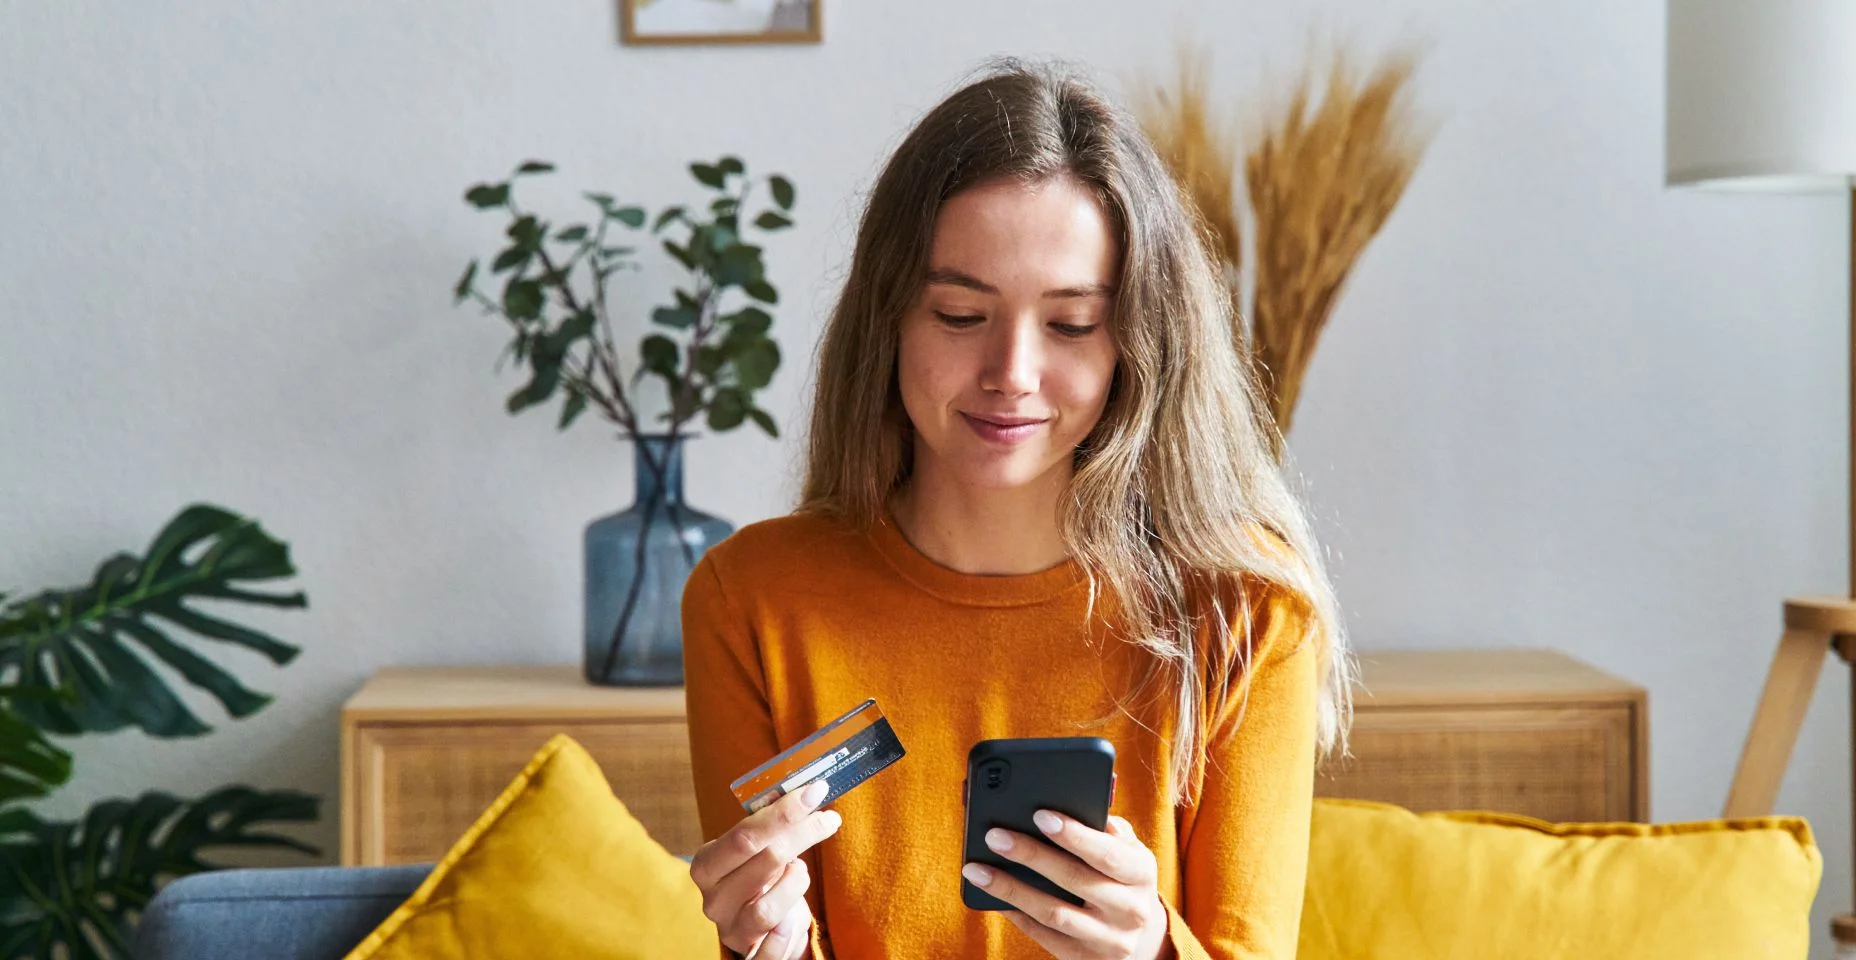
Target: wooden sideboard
(1523,731)
(425,749)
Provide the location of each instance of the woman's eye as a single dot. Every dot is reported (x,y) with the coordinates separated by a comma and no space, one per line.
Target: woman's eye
(1076,330)
(959,320)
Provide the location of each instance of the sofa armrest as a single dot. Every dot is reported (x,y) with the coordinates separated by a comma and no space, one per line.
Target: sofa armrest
(301,913)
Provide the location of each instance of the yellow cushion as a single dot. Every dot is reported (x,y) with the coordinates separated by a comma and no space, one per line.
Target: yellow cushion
(555,868)
(1387,883)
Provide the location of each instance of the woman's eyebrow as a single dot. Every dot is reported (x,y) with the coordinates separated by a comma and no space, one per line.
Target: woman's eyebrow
(955,278)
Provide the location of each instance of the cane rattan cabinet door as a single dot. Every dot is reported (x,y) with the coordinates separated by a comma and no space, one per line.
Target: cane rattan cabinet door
(426,751)
(1516,731)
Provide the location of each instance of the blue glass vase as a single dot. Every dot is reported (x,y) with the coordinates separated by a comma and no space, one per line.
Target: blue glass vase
(636,563)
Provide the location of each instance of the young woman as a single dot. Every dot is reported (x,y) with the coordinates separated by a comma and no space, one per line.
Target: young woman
(1039,501)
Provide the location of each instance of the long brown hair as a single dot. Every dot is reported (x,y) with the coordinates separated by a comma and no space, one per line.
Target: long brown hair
(1175,484)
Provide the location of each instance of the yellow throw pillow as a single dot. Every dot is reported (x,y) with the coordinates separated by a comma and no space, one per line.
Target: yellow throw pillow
(1387,884)
(555,868)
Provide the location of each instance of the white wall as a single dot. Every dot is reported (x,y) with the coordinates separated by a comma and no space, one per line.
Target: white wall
(1558,406)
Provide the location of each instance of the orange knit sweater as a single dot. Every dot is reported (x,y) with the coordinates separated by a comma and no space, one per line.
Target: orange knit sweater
(791,622)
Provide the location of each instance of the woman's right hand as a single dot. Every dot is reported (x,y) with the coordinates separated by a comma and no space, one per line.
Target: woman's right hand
(753,882)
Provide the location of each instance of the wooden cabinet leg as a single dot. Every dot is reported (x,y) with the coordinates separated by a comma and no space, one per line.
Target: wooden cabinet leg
(1843,925)
(1789,685)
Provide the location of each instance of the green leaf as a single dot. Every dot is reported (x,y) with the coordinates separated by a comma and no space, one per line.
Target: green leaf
(510,257)
(76,889)
(763,291)
(217,629)
(486,195)
(707,175)
(522,300)
(749,321)
(465,281)
(663,219)
(630,216)
(730,165)
(772,221)
(684,404)
(571,410)
(538,389)
(92,641)
(782,191)
(527,232)
(573,234)
(536,166)
(617,251)
(738,266)
(701,249)
(163,714)
(709,359)
(676,318)
(755,364)
(764,420)
(727,410)
(30,764)
(574,328)
(238,701)
(682,256)
(659,354)
(601,200)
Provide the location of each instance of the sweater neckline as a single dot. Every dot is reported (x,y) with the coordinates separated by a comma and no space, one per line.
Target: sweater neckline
(971,589)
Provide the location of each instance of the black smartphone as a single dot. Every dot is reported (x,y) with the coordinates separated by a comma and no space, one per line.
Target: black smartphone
(1009,780)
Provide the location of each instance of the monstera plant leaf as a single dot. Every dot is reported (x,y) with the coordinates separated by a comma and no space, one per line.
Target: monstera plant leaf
(79,887)
(30,764)
(92,643)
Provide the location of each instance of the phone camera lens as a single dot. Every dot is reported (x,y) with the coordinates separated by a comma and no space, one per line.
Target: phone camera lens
(995,773)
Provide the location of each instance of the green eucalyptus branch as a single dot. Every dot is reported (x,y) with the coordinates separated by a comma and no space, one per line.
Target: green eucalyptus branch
(711,363)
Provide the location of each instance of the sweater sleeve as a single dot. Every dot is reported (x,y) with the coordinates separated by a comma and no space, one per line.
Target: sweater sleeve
(730,712)
(1244,845)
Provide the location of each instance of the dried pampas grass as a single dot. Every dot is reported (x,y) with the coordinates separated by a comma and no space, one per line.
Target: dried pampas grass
(1322,178)
(1200,150)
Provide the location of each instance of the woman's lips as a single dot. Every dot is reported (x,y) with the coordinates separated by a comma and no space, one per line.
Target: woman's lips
(1007,433)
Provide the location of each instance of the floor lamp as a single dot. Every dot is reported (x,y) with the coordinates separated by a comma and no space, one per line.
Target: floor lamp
(1761,96)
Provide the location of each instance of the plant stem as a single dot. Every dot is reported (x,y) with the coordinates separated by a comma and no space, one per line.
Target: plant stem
(631,595)
(659,471)
(565,289)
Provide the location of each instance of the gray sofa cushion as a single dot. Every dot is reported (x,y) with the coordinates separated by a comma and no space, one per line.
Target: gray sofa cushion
(313,913)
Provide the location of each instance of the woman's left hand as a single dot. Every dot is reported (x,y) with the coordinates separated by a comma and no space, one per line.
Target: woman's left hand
(1122,917)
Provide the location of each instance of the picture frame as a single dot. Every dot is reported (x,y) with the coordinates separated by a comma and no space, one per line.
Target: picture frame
(699,22)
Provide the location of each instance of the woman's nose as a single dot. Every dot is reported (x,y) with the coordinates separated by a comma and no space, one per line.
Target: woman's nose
(1013,360)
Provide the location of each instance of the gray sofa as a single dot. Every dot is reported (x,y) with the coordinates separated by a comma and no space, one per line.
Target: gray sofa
(302,913)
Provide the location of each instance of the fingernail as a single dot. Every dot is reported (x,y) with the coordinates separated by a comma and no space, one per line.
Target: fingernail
(814,793)
(1047,821)
(979,876)
(998,840)
(833,820)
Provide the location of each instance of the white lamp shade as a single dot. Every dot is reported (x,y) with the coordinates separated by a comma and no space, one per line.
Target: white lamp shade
(1761,94)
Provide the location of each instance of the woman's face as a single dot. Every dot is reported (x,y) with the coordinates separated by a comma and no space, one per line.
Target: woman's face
(1006,356)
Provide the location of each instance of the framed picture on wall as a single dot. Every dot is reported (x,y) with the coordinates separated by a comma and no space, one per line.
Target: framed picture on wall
(654,22)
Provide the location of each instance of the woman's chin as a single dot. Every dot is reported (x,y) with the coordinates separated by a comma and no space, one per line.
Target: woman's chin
(1003,474)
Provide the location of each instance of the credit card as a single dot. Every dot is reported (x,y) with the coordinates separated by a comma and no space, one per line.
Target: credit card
(844,753)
